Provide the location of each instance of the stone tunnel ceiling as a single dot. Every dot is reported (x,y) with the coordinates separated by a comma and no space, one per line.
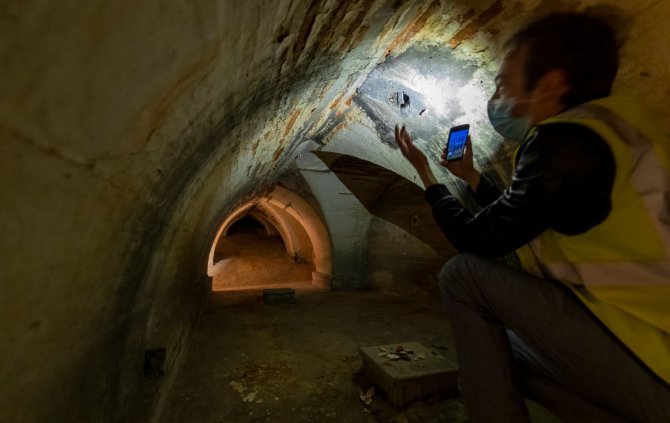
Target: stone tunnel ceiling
(429,89)
(436,88)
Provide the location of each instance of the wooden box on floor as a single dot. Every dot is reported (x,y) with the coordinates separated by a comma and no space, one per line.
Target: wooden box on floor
(420,372)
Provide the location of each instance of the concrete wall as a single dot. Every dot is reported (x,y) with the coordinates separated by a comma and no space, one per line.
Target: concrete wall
(130,130)
(347,220)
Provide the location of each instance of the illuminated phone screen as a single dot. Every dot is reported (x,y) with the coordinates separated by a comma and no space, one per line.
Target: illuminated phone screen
(456,144)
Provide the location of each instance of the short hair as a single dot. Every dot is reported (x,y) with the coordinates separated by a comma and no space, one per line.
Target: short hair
(584,46)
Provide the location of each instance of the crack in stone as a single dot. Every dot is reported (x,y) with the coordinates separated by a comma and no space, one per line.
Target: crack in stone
(49,151)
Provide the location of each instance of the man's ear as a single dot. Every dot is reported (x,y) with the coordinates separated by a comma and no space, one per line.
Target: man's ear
(552,85)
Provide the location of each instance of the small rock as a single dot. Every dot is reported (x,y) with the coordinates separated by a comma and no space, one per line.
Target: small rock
(367,396)
(393,356)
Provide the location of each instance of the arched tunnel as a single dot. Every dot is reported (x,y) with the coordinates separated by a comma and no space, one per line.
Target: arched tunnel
(149,147)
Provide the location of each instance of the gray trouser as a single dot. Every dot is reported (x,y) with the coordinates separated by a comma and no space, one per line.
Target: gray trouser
(521,336)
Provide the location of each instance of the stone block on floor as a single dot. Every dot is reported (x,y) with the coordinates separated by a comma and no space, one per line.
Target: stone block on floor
(407,371)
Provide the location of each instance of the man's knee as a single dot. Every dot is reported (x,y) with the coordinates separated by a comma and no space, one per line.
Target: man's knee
(457,274)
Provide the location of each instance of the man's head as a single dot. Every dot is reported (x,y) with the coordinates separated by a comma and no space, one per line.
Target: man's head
(556,63)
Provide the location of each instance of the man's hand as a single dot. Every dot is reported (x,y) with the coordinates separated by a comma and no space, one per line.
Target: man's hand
(463,168)
(408,149)
(414,155)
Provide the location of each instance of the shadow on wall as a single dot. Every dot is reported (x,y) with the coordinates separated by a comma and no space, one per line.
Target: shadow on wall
(276,239)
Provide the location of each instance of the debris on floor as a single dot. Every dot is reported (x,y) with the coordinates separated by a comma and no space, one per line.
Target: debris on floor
(367,396)
(400,353)
(303,361)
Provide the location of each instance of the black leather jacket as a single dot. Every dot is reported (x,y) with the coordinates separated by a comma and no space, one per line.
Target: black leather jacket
(563,180)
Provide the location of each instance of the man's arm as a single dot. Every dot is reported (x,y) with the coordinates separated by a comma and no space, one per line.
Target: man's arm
(486,192)
(562,181)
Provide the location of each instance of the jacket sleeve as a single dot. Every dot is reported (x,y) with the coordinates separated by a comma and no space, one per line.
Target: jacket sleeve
(486,192)
(562,180)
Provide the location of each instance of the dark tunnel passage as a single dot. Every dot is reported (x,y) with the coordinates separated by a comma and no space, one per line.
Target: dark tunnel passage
(251,255)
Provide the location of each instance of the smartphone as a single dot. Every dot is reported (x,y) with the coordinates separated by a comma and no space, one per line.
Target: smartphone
(458,135)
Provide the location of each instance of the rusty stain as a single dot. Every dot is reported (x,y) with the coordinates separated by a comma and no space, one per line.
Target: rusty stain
(337,100)
(339,97)
(325,89)
(388,26)
(329,137)
(473,27)
(254,147)
(325,40)
(349,100)
(278,153)
(356,40)
(354,26)
(412,29)
(291,121)
(306,28)
(517,9)
(464,17)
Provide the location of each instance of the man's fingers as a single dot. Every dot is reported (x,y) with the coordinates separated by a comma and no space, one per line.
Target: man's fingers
(468,146)
(398,139)
(402,137)
(404,133)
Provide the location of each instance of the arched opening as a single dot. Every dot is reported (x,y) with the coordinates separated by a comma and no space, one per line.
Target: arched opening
(272,241)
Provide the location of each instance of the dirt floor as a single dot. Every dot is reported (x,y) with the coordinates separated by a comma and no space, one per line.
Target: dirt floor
(253,260)
(251,362)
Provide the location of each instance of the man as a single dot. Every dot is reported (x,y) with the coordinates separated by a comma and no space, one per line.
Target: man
(585,329)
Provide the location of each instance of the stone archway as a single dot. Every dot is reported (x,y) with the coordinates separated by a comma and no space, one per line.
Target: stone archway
(300,227)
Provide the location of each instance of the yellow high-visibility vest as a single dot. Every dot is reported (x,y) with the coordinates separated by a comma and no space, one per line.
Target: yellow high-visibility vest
(620,268)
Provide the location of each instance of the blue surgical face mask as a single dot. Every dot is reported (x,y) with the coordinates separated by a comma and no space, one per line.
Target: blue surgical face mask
(500,115)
